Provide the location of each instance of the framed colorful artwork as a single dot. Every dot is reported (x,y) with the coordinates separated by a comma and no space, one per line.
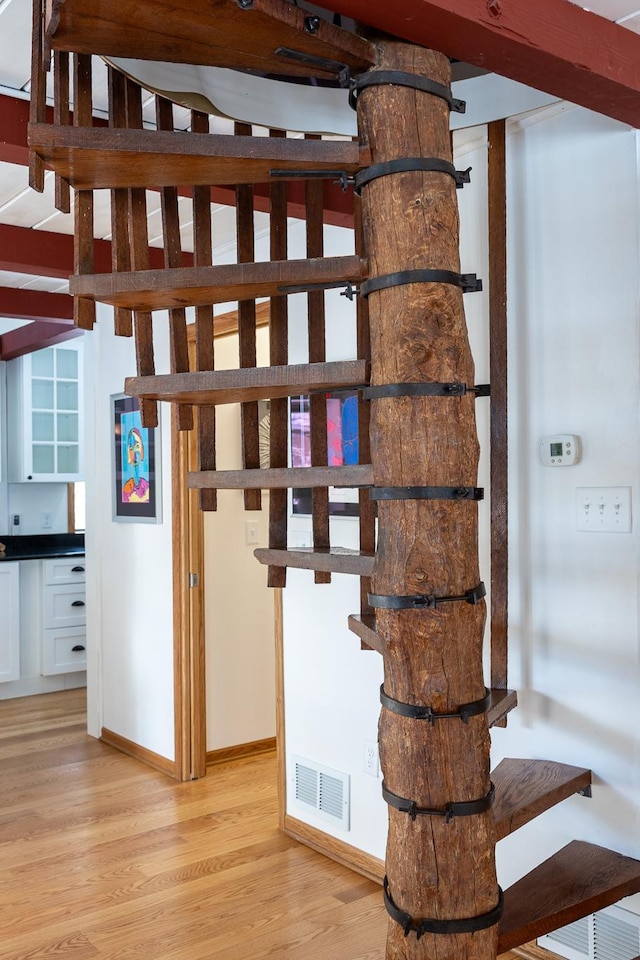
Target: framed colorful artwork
(342,449)
(136,464)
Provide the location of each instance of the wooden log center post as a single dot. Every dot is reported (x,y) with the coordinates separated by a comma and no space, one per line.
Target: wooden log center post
(437,867)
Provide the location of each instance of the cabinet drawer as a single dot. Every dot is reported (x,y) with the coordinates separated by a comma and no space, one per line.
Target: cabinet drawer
(64,651)
(64,606)
(64,570)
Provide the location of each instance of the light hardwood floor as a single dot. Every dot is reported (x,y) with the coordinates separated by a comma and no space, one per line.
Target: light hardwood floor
(101,857)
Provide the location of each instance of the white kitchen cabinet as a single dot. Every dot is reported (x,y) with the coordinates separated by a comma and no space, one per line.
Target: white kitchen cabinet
(63,616)
(9,621)
(45,410)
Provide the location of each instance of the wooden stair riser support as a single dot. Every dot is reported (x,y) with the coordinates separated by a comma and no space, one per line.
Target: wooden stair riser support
(431,657)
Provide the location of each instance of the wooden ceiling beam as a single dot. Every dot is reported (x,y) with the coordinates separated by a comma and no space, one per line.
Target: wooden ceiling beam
(19,304)
(551,45)
(35,336)
(43,253)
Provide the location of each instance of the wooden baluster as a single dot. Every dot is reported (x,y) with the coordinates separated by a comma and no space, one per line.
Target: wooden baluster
(139,252)
(202,257)
(247,328)
(84,311)
(317,354)
(61,119)
(38,100)
(498,378)
(120,255)
(278,356)
(367,507)
(178,345)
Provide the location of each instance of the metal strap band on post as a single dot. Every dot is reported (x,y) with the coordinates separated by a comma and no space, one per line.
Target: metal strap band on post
(383,78)
(468,808)
(426,493)
(410,165)
(421,601)
(424,390)
(462,925)
(421,712)
(468,282)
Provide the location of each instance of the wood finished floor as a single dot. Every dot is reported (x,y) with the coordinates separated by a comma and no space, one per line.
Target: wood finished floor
(101,857)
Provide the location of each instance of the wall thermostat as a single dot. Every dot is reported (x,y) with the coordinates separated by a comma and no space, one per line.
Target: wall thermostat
(561,450)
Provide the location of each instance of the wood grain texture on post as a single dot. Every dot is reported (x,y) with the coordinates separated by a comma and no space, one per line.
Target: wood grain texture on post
(437,868)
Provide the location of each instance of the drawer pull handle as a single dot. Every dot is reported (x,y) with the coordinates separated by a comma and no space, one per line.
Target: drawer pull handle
(78,648)
(77,569)
(78,603)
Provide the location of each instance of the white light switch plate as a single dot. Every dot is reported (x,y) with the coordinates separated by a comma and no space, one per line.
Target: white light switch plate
(603,509)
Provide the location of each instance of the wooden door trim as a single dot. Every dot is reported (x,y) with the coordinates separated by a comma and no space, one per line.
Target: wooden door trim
(189,684)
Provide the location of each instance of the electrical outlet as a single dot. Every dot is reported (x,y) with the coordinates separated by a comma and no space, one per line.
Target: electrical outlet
(16,520)
(45,521)
(370,759)
(251,532)
(603,509)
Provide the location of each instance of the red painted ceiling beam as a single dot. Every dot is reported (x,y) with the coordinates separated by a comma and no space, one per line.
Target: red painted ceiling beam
(14,117)
(46,254)
(551,45)
(35,336)
(35,305)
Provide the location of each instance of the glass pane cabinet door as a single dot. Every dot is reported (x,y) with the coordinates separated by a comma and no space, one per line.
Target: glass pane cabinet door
(53,389)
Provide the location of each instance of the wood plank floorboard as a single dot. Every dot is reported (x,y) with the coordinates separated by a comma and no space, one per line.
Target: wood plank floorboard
(102,858)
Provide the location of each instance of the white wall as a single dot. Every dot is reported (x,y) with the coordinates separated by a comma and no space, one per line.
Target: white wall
(573,316)
(239,613)
(30,500)
(573,293)
(129,566)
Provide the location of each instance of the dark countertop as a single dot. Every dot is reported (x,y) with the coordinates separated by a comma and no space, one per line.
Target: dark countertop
(42,546)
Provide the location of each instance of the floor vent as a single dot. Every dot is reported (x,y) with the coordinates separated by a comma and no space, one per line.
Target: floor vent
(611,934)
(323,789)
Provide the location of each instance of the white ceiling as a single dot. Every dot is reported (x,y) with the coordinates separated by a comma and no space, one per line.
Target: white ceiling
(22,207)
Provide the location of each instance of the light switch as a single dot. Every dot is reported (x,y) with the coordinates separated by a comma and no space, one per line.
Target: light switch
(603,509)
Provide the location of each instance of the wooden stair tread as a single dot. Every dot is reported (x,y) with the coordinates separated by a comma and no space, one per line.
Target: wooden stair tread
(526,788)
(502,703)
(578,880)
(364,627)
(92,158)
(213,387)
(199,286)
(357,475)
(331,560)
(221,34)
